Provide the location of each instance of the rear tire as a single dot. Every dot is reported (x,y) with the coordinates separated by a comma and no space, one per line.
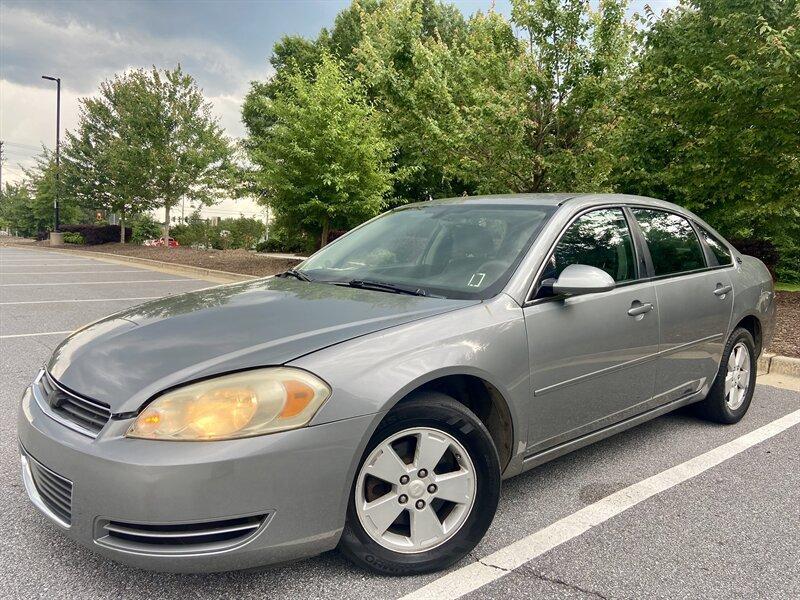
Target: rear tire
(460,489)
(732,390)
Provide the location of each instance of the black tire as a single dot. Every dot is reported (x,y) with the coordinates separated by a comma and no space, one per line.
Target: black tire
(437,411)
(714,407)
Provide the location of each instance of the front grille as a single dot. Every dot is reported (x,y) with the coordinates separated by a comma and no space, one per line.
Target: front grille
(183,538)
(90,415)
(54,490)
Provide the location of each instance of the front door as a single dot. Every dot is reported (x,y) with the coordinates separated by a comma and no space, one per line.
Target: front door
(592,356)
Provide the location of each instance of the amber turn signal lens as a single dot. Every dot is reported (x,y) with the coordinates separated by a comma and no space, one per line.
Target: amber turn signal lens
(298,395)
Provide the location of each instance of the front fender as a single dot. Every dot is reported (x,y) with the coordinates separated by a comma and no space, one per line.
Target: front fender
(370,374)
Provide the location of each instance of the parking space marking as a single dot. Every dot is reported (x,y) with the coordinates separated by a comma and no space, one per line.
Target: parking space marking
(98,282)
(22,335)
(44,260)
(79,300)
(68,272)
(50,264)
(498,564)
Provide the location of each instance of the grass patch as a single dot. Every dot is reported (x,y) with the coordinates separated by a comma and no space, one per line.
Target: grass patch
(787,287)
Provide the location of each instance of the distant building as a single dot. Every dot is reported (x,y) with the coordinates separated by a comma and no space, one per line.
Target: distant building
(229,208)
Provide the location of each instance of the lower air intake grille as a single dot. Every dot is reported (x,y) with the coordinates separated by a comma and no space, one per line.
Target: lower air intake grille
(54,490)
(184,538)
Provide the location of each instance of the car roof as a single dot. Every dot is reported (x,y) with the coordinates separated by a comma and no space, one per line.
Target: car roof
(574,200)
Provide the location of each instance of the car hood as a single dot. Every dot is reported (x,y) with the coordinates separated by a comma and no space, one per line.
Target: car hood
(132,355)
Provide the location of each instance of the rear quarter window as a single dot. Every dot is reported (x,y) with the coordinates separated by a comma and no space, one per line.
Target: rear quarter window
(718,247)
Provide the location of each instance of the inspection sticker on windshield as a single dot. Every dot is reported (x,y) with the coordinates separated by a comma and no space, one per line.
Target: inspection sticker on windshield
(476,280)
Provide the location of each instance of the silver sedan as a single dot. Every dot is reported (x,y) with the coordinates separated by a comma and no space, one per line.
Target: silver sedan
(374,397)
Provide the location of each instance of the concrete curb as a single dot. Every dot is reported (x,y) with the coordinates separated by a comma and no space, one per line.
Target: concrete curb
(779,365)
(212,275)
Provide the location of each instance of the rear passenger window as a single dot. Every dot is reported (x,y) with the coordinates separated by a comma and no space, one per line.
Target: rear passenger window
(674,247)
(718,248)
(599,239)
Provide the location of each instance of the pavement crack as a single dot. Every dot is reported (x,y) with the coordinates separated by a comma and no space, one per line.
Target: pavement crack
(566,584)
(488,564)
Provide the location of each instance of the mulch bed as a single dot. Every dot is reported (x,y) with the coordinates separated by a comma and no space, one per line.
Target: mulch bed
(234,261)
(786,340)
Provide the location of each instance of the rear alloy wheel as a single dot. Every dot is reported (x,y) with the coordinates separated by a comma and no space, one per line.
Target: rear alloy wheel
(730,395)
(426,489)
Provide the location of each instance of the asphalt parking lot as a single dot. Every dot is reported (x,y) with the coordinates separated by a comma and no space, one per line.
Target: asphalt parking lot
(723,529)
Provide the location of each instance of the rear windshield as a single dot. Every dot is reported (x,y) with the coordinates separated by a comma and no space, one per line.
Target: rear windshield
(456,251)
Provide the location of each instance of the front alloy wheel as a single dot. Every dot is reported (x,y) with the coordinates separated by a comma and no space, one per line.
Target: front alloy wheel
(415,490)
(426,490)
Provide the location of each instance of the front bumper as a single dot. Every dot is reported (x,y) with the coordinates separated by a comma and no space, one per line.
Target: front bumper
(298,481)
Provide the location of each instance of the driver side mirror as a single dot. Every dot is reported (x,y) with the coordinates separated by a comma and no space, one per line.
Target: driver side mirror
(582,279)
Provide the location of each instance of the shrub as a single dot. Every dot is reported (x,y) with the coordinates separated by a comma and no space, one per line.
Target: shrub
(144,227)
(96,234)
(73,238)
(285,246)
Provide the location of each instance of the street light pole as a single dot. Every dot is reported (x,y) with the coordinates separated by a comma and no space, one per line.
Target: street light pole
(58,145)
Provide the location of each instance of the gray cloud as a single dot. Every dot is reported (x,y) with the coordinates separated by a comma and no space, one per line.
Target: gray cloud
(34,43)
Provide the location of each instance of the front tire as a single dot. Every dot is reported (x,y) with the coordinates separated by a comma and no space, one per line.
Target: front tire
(426,490)
(732,390)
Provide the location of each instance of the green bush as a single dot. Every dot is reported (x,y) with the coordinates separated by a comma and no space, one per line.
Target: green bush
(282,239)
(74,238)
(241,232)
(144,227)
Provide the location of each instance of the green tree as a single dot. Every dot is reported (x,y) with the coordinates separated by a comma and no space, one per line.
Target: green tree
(105,164)
(148,140)
(27,206)
(711,118)
(404,59)
(323,163)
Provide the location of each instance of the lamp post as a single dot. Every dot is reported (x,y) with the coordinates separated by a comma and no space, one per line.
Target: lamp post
(58,145)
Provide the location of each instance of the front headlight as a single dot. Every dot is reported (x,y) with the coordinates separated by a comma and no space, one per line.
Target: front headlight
(233,406)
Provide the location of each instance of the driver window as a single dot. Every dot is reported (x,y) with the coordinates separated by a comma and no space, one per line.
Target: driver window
(601,239)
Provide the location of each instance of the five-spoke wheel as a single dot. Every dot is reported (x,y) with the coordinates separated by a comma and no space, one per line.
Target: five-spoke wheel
(426,489)
(415,489)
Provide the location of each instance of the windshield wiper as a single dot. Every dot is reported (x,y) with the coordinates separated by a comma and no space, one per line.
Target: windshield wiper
(294,273)
(382,286)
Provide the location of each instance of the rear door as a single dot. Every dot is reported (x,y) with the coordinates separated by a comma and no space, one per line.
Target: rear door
(695,299)
(592,356)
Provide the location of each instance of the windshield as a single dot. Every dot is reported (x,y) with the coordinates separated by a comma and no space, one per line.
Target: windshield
(456,251)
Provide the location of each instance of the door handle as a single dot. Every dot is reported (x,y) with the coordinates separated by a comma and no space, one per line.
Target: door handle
(721,290)
(637,308)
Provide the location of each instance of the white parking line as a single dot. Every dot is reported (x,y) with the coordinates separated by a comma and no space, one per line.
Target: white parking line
(22,335)
(498,564)
(80,300)
(99,282)
(44,260)
(50,264)
(69,272)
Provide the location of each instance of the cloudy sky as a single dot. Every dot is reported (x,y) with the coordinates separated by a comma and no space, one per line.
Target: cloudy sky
(224,44)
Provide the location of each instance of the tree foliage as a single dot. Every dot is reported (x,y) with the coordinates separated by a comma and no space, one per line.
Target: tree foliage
(27,206)
(323,160)
(711,117)
(147,140)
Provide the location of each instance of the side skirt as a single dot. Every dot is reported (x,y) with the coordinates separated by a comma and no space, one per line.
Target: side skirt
(534,460)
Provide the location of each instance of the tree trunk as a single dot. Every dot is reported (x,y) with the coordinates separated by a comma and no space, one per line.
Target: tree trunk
(326,231)
(166,224)
(122,227)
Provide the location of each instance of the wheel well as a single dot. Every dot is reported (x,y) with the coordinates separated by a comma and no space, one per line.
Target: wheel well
(753,325)
(483,399)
